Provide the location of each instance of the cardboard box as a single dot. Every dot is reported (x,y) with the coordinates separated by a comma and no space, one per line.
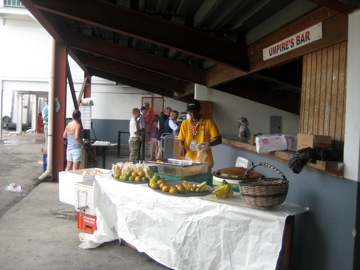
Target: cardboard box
(84,197)
(310,140)
(68,179)
(86,222)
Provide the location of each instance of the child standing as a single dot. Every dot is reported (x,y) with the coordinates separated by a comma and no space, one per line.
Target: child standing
(153,140)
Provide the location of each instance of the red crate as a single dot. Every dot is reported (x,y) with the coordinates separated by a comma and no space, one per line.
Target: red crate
(86,222)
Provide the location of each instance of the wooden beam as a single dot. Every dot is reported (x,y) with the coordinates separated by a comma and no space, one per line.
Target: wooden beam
(136,84)
(83,87)
(135,57)
(219,74)
(141,26)
(131,72)
(339,6)
(59,117)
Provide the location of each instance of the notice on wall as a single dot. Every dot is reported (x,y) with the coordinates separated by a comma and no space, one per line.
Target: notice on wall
(302,38)
(85,116)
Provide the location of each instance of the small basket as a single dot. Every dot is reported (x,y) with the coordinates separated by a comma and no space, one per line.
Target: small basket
(264,192)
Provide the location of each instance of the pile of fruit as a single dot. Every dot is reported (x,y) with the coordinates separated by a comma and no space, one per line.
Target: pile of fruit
(129,171)
(224,191)
(156,182)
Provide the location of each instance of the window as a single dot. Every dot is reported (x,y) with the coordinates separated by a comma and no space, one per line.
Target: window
(13,3)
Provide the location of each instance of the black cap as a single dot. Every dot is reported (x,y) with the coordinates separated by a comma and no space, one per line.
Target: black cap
(194,105)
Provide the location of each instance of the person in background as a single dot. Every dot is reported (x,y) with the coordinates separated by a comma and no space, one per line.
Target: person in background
(141,118)
(45,116)
(40,123)
(170,125)
(149,115)
(135,135)
(142,125)
(161,127)
(244,132)
(153,140)
(198,134)
(75,144)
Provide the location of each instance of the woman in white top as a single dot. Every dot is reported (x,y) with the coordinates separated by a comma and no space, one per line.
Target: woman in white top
(75,143)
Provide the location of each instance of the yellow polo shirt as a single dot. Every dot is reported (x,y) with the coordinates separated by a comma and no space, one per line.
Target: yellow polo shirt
(206,131)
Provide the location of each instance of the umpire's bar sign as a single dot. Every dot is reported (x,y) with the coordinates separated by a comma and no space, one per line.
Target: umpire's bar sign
(302,38)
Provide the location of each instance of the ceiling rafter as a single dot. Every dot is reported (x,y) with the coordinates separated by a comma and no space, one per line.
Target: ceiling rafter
(135,57)
(134,83)
(131,72)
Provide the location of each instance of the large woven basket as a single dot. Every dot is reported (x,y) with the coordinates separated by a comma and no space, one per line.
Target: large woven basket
(264,192)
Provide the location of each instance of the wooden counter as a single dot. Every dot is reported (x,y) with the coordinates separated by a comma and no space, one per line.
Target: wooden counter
(323,167)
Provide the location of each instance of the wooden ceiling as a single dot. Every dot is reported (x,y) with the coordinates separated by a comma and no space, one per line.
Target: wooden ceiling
(165,46)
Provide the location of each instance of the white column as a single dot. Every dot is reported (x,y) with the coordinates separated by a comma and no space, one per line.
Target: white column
(19,104)
(1,107)
(352,123)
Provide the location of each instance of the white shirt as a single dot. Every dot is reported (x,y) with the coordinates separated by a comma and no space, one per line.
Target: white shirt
(133,127)
(173,126)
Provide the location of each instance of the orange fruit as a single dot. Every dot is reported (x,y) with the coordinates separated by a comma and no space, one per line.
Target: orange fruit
(173,190)
(153,185)
(134,174)
(137,179)
(141,173)
(165,188)
(160,181)
(180,189)
(161,185)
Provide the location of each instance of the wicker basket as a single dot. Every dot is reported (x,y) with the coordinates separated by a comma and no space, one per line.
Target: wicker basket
(264,192)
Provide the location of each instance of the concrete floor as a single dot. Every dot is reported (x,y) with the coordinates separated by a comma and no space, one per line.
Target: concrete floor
(37,231)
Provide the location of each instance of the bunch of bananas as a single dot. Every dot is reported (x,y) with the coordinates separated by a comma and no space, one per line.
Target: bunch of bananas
(225,191)
(195,187)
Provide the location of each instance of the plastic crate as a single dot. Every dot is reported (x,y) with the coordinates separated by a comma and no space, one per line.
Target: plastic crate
(86,222)
(67,180)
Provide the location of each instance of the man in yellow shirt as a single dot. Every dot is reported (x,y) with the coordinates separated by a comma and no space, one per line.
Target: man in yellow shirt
(198,134)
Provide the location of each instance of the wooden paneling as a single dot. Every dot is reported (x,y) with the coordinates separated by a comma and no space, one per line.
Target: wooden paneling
(322,109)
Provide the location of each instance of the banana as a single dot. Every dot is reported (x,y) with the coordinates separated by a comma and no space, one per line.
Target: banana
(201,185)
(230,193)
(225,191)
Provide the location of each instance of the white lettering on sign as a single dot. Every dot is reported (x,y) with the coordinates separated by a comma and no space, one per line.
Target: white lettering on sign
(302,38)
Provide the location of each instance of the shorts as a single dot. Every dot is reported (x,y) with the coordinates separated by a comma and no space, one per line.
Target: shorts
(134,146)
(74,155)
(153,140)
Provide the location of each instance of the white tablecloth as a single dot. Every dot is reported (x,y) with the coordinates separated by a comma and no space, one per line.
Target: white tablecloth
(190,232)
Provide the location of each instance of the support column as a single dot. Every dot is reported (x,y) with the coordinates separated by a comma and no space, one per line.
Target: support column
(352,129)
(87,94)
(59,110)
(19,103)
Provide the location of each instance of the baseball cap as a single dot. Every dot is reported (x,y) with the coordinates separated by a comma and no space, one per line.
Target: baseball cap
(194,105)
(142,108)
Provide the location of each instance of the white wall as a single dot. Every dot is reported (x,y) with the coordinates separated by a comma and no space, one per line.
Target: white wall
(228,108)
(24,50)
(352,123)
